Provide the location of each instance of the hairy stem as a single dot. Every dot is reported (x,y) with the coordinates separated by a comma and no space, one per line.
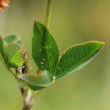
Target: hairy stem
(48,13)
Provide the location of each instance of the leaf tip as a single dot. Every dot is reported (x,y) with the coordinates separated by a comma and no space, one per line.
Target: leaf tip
(36,22)
(99,42)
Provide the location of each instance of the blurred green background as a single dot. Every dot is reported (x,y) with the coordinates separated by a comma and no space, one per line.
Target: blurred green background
(72,21)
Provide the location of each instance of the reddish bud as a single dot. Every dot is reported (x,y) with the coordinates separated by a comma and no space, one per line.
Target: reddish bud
(24,53)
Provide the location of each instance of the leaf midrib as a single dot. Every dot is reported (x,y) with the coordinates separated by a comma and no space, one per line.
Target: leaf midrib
(44,44)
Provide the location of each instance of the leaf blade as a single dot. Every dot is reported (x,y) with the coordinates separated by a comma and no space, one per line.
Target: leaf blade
(2,50)
(76,56)
(1,46)
(14,56)
(17,59)
(44,48)
(37,81)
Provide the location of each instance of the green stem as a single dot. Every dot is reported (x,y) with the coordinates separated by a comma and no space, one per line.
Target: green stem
(28,100)
(48,13)
(12,73)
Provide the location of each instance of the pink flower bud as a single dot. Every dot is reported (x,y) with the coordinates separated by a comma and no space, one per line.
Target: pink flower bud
(24,53)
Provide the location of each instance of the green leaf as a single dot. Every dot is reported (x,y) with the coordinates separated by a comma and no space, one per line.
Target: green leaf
(10,50)
(2,50)
(1,46)
(17,59)
(37,81)
(44,48)
(76,57)
(35,88)
(12,38)
(14,57)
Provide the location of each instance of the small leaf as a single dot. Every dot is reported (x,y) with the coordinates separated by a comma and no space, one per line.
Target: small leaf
(10,50)
(76,57)
(17,59)
(2,50)
(44,48)
(14,57)
(37,81)
(1,46)
(12,38)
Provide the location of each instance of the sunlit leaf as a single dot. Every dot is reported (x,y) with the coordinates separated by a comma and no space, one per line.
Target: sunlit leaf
(10,50)
(44,48)
(17,59)
(76,57)
(14,56)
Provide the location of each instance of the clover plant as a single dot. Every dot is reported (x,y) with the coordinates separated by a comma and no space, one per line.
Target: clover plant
(45,53)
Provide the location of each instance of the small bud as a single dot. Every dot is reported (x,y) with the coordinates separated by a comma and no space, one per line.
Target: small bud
(24,53)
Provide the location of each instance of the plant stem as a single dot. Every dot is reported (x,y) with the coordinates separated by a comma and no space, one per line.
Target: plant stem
(48,13)
(28,95)
(28,100)
(12,73)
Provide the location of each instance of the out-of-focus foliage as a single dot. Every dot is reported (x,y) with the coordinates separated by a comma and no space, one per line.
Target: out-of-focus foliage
(12,38)
(11,52)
